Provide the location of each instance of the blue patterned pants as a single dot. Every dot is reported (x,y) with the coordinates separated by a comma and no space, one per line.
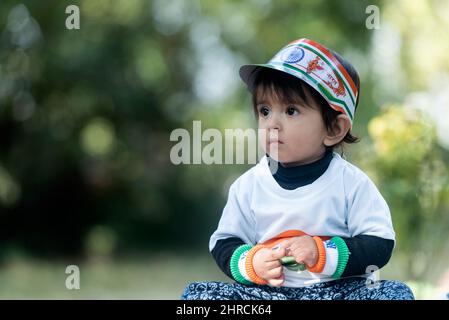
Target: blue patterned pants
(353,288)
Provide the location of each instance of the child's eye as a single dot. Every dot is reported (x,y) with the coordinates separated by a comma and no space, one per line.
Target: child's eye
(264,111)
(291,111)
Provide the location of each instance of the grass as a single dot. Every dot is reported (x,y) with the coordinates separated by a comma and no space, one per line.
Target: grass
(161,276)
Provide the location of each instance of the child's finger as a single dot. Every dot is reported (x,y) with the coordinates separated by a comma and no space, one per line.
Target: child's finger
(287,243)
(273,264)
(276,282)
(295,245)
(275,273)
(283,244)
(278,253)
(300,257)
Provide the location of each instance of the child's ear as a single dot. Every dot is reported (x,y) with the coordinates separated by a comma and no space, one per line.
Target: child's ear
(340,128)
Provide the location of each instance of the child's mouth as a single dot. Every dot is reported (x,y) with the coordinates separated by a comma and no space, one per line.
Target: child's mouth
(274,141)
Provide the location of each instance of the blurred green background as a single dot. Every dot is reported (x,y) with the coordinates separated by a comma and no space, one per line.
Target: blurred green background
(86,116)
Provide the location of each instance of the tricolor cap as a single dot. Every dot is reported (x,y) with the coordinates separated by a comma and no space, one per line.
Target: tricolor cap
(315,65)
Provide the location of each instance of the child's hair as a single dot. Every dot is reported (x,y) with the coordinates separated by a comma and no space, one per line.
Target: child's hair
(288,88)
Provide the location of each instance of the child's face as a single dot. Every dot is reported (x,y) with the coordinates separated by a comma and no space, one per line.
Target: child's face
(300,129)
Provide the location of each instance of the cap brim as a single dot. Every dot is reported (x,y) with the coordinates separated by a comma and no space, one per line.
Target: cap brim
(248,73)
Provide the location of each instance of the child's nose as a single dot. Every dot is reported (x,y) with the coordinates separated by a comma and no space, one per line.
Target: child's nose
(274,122)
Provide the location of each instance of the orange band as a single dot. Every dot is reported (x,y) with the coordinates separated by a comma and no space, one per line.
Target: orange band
(319,266)
(286,235)
(249,265)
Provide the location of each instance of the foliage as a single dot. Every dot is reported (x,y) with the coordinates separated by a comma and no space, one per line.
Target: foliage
(414,179)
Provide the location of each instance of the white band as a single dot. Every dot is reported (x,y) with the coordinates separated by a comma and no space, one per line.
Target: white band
(331,258)
(242,263)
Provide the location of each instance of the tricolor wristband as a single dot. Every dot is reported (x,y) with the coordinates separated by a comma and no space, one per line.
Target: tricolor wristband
(251,273)
(343,256)
(234,264)
(321,261)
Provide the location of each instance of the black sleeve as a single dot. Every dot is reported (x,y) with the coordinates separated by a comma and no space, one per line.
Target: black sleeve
(222,253)
(365,251)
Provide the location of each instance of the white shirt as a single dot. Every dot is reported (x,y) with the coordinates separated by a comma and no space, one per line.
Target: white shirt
(343,202)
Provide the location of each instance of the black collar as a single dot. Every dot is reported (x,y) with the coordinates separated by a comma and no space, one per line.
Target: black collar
(294,177)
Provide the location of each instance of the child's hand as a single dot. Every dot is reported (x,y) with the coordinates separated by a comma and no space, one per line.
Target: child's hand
(267,265)
(303,249)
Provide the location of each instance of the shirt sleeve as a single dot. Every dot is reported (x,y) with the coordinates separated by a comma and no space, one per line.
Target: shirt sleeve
(223,252)
(372,237)
(368,212)
(237,219)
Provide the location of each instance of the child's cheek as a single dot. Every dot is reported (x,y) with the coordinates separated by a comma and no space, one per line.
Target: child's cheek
(262,138)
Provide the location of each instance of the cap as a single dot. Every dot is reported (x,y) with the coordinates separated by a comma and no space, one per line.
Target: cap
(315,65)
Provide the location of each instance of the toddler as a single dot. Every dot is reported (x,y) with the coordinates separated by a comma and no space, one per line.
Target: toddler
(316,226)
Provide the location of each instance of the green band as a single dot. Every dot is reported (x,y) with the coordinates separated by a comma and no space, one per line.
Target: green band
(343,256)
(234,264)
